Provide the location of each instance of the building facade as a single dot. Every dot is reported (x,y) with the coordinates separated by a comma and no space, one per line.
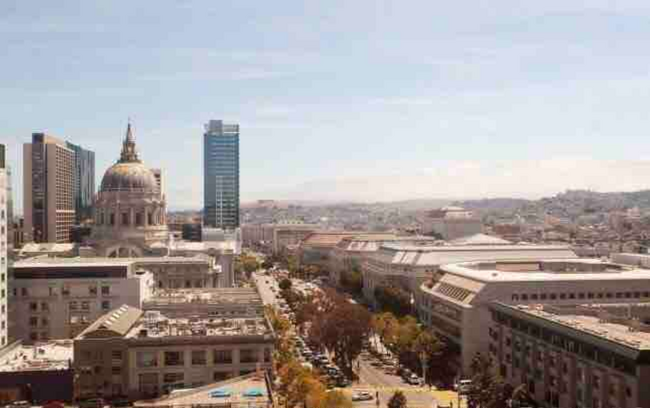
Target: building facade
(57,298)
(48,188)
(455,304)
(131,215)
(221,175)
(6,245)
(575,356)
(145,354)
(84,182)
(451,223)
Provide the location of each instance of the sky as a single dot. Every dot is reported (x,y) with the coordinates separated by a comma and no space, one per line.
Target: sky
(341,100)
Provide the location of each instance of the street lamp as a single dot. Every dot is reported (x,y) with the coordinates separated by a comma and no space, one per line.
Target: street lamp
(423,360)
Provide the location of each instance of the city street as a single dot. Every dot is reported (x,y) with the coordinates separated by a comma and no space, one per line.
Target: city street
(268,296)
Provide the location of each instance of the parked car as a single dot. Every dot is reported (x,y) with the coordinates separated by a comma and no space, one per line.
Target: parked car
(93,403)
(362,396)
(463,386)
(20,404)
(414,380)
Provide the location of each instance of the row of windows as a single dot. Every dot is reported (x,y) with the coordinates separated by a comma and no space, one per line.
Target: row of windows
(198,357)
(579,295)
(65,290)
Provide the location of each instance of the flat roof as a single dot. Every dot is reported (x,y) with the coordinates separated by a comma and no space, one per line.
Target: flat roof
(249,391)
(619,330)
(213,296)
(44,356)
(577,269)
(71,262)
(154,324)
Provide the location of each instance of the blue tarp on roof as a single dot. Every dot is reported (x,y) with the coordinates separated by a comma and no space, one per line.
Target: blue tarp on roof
(220,393)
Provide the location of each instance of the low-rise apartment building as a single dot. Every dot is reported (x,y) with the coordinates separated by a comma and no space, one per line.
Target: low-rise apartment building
(145,354)
(572,356)
(56,298)
(455,305)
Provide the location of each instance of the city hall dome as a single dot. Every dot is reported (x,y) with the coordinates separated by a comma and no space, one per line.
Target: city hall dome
(129,173)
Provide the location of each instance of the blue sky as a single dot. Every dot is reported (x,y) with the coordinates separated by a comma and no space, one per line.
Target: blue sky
(364,100)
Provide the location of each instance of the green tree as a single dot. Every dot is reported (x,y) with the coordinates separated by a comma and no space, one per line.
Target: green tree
(398,400)
(335,399)
(352,281)
(392,299)
(285,284)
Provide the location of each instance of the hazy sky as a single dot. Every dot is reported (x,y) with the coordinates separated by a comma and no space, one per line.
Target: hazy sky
(368,100)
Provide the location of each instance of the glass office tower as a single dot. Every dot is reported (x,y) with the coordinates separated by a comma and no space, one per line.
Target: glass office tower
(221,175)
(84,182)
(6,245)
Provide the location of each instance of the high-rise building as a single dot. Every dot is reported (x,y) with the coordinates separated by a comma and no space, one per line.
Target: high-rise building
(6,243)
(49,188)
(221,175)
(84,184)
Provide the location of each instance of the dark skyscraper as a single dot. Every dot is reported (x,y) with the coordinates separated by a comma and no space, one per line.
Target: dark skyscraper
(84,183)
(221,175)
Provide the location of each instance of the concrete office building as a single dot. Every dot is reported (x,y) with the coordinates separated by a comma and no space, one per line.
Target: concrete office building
(84,182)
(221,175)
(56,298)
(48,188)
(6,244)
(317,248)
(572,356)
(144,354)
(408,266)
(455,303)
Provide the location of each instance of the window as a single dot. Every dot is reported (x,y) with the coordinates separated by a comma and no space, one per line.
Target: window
(33,306)
(138,219)
(524,297)
(553,296)
(85,305)
(116,370)
(147,359)
(33,336)
(106,290)
(116,354)
(223,357)
(173,377)
(92,290)
(45,321)
(65,290)
(198,357)
(247,356)
(543,296)
(45,307)
(52,291)
(33,322)
(173,358)
(73,305)
(267,355)
(112,219)
(24,291)
(125,218)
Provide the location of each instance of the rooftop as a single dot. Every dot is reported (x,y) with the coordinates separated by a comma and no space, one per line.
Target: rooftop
(480,239)
(250,391)
(154,324)
(332,238)
(591,321)
(544,270)
(73,262)
(215,296)
(51,355)
(46,247)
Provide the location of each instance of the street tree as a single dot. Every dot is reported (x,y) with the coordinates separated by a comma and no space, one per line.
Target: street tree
(393,299)
(285,284)
(398,400)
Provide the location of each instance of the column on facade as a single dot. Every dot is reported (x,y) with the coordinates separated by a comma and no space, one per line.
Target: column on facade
(145,216)
(131,217)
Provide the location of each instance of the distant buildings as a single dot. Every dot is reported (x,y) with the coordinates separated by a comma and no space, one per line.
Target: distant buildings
(6,244)
(274,238)
(451,223)
(316,248)
(84,182)
(49,177)
(221,175)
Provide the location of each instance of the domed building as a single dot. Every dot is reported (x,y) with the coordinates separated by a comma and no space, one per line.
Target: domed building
(130,210)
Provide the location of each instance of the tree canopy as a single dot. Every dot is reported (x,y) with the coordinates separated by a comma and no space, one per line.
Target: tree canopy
(393,299)
(398,400)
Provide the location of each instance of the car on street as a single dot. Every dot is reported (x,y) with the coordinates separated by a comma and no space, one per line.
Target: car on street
(362,396)
(414,380)
(463,386)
